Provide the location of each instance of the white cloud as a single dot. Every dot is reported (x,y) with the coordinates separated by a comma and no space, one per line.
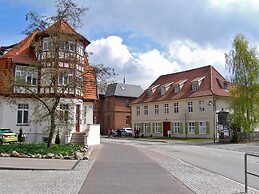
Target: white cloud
(109,50)
(138,68)
(190,54)
(156,63)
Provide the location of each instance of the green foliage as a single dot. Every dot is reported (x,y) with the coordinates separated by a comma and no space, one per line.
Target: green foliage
(40,148)
(243,64)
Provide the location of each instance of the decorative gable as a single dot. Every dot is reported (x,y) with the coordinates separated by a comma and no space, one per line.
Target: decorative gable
(178,86)
(165,88)
(152,90)
(196,83)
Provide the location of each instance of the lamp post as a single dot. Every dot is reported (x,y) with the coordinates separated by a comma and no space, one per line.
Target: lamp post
(213,104)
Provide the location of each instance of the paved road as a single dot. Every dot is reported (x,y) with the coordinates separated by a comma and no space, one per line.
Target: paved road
(226,160)
(124,169)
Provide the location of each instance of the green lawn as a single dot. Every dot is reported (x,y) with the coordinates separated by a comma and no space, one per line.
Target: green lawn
(40,148)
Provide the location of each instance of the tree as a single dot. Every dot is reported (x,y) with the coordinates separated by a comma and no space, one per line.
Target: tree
(103,76)
(243,65)
(46,71)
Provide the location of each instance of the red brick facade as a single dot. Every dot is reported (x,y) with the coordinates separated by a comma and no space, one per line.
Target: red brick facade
(113,112)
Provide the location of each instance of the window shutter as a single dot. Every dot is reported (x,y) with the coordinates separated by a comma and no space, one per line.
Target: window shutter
(196,127)
(172,128)
(153,127)
(208,127)
(142,126)
(149,128)
(181,128)
(161,127)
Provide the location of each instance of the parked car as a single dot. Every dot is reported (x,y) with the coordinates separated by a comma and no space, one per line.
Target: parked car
(128,130)
(122,133)
(7,136)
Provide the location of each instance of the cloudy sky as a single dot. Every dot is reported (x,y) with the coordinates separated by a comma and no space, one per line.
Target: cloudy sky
(143,39)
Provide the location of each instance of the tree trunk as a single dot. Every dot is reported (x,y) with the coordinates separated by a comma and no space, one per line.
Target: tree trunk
(52,129)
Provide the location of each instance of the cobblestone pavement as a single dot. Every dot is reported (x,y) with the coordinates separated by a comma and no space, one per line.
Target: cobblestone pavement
(54,180)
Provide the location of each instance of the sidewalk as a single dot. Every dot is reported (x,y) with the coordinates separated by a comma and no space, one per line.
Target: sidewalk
(36,164)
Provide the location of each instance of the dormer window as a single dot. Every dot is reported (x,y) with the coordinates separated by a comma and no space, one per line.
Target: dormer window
(225,85)
(178,86)
(195,86)
(165,88)
(196,83)
(177,89)
(152,90)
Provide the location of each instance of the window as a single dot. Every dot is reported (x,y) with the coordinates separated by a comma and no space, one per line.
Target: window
(190,108)
(22,114)
(145,110)
(195,86)
(176,107)
(137,110)
(201,106)
(177,128)
(65,79)
(202,127)
(26,74)
(177,89)
(157,127)
(191,128)
(146,128)
(156,109)
(80,49)
(68,46)
(64,110)
(45,45)
(225,85)
(166,108)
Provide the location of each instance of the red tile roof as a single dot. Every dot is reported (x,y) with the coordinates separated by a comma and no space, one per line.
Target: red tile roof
(209,85)
(22,52)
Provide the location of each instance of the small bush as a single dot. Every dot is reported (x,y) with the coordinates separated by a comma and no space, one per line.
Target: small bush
(40,148)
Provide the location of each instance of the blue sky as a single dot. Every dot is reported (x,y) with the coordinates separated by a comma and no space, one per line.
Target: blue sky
(143,39)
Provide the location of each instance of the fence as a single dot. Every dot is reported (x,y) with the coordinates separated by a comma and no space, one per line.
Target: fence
(248,136)
(246,172)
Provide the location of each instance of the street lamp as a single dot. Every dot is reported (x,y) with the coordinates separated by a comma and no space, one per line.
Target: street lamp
(213,104)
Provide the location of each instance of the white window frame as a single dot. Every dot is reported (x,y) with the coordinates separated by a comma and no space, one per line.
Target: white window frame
(64,110)
(65,79)
(201,106)
(166,108)
(195,86)
(177,128)
(23,112)
(202,128)
(156,109)
(191,127)
(157,127)
(145,110)
(176,107)
(190,106)
(138,110)
(26,74)
(45,44)
(145,128)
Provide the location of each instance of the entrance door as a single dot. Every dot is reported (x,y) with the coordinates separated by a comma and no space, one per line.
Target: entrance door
(166,128)
(78,118)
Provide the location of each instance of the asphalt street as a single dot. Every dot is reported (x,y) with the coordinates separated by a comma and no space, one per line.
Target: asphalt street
(124,169)
(226,160)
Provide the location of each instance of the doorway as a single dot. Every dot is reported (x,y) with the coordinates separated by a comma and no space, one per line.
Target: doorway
(78,112)
(166,128)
